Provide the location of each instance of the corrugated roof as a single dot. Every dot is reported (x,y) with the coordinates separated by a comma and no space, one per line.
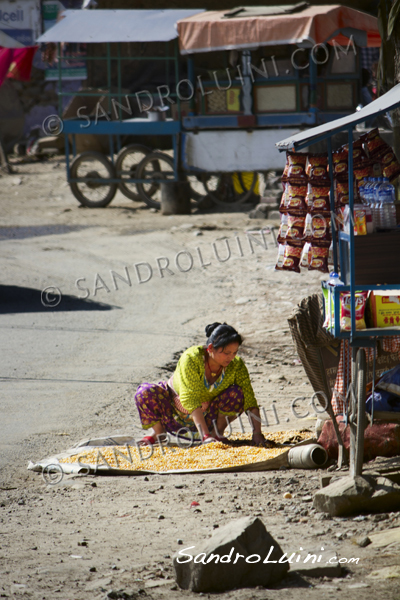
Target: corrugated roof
(90,26)
(386,102)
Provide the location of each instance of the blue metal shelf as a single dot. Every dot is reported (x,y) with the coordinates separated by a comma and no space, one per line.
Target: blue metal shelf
(372,332)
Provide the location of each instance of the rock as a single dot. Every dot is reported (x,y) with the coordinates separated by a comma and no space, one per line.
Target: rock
(274,215)
(386,573)
(348,495)
(259,212)
(157,583)
(386,537)
(242,300)
(363,542)
(228,552)
(98,583)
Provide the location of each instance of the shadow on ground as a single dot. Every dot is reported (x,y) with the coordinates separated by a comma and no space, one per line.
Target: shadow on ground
(14,299)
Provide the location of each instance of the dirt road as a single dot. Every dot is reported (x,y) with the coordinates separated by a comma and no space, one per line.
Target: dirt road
(93,302)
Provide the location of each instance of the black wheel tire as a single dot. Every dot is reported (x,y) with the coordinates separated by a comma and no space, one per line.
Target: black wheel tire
(231,198)
(196,182)
(155,175)
(361,390)
(130,189)
(78,189)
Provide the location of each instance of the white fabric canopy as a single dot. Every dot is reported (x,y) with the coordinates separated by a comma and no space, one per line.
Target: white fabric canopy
(88,26)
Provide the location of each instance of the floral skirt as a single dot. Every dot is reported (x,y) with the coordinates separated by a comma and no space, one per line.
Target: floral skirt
(156,403)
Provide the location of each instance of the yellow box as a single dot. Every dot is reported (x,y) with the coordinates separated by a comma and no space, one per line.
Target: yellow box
(385,308)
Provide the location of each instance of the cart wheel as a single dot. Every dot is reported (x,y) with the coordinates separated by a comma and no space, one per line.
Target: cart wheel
(126,163)
(357,413)
(225,194)
(197,189)
(155,167)
(92,165)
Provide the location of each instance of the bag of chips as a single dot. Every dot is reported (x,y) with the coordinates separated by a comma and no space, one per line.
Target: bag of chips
(358,153)
(373,142)
(318,258)
(341,192)
(345,310)
(317,199)
(295,229)
(289,257)
(296,198)
(362,172)
(296,171)
(340,160)
(317,228)
(317,167)
(283,228)
(390,165)
(305,256)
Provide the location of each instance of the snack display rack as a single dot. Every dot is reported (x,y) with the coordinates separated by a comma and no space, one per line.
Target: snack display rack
(371,279)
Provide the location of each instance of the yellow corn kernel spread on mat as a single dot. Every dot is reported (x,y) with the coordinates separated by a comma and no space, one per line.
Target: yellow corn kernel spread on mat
(210,456)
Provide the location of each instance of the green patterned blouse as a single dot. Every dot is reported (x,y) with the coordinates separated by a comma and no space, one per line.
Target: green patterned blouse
(190,384)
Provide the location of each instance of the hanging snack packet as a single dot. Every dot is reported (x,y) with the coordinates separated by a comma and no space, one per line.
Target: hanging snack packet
(283,228)
(296,198)
(317,167)
(295,229)
(358,153)
(373,142)
(390,164)
(345,310)
(362,172)
(317,199)
(318,258)
(341,192)
(340,162)
(305,256)
(282,206)
(330,255)
(289,257)
(320,228)
(297,167)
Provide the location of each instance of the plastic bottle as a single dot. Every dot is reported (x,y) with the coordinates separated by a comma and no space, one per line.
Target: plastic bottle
(334,279)
(387,210)
(361,191)
(372,202)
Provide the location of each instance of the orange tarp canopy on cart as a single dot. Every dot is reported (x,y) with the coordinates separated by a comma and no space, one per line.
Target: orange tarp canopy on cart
(214,30)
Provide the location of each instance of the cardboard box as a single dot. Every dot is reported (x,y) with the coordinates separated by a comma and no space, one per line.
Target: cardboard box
(384,308)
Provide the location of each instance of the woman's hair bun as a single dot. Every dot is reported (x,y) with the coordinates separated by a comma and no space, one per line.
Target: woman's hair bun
(211,328)
(221,335)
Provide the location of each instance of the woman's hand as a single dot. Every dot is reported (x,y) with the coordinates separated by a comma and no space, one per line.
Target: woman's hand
(259,440)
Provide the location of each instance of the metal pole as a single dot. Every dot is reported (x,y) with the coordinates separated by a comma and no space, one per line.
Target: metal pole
(59,80)
(333,214)
(352,252)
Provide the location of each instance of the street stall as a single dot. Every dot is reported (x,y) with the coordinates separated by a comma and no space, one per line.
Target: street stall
(235,80)
(326,206)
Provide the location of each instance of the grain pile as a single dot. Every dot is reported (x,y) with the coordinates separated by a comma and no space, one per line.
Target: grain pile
(209,456)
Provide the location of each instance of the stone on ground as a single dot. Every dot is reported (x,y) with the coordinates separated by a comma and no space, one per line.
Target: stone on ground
(225,570)
(353,495)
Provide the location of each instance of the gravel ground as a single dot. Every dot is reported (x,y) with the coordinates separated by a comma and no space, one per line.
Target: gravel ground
(70,372)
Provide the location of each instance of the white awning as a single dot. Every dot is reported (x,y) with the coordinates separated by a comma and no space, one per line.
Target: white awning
(101,26)
(381,105)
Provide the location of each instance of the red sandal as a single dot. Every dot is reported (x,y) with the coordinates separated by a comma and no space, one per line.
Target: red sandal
(147,440)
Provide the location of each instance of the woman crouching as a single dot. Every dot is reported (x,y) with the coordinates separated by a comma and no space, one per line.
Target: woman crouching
(210,388)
